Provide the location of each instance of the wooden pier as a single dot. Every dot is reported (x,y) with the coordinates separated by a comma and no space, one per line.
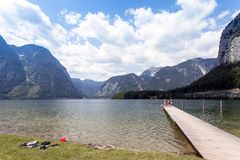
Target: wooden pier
(211,142)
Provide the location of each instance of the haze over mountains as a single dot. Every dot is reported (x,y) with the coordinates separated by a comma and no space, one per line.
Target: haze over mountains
(87,87)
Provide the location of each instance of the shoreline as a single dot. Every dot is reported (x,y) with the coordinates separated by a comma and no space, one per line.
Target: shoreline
(73,150)
(229,94)
(106,145)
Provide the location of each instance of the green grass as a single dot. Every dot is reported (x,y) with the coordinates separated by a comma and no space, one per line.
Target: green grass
(233,131)
(10,150)
(118,96)
(225,76)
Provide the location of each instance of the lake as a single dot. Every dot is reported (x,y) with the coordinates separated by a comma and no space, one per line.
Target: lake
(139,125)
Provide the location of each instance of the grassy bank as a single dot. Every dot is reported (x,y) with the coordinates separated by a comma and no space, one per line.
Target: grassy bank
(10,150)
(235,132)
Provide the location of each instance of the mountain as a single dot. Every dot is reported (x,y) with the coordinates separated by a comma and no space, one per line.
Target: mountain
(87,87)
(223,77)
(31,71)
(161,78)
(226,74)
(146,75)
(120,84)
(229,47)
(221,82)
(179,75)
(11,69)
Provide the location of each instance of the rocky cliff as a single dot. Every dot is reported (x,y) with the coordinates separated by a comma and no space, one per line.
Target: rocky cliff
(123,83)
(229,47)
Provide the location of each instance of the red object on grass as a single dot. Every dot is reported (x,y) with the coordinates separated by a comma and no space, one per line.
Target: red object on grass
(63,139)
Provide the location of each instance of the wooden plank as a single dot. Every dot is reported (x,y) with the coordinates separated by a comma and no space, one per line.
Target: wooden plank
(211,142)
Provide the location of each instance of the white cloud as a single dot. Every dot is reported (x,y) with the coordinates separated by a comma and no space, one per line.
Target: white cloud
(22,22)
(71,18)
(98,26)
(99,46)
(197,8)
(223,14)
(212,23)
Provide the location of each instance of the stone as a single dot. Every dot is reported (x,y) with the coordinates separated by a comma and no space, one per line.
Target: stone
(229,47)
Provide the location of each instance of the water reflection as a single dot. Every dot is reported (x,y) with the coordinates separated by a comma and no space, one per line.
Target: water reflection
(132,124)
(182,140)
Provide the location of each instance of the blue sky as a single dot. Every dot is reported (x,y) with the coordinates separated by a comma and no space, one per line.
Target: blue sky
(112,7)
(97,39)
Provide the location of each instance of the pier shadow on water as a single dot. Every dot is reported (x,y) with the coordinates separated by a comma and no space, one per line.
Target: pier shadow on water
(186,147)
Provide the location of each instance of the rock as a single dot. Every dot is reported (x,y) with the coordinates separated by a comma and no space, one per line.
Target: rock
(121,83)
(229,47)
(109,146)
(101,147)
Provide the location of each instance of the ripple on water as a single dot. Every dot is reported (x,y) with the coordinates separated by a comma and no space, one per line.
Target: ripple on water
(137,125)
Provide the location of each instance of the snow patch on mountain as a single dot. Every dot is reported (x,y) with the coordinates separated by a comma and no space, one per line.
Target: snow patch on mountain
(151,71)
(203,69)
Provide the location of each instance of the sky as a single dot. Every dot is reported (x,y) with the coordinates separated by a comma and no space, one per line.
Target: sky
(98,39)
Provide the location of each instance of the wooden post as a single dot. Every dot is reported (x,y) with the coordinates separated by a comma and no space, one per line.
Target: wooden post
(221,107)
(182,104)
(203,105)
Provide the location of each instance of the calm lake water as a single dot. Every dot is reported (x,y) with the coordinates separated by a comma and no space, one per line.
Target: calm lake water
(132,124)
